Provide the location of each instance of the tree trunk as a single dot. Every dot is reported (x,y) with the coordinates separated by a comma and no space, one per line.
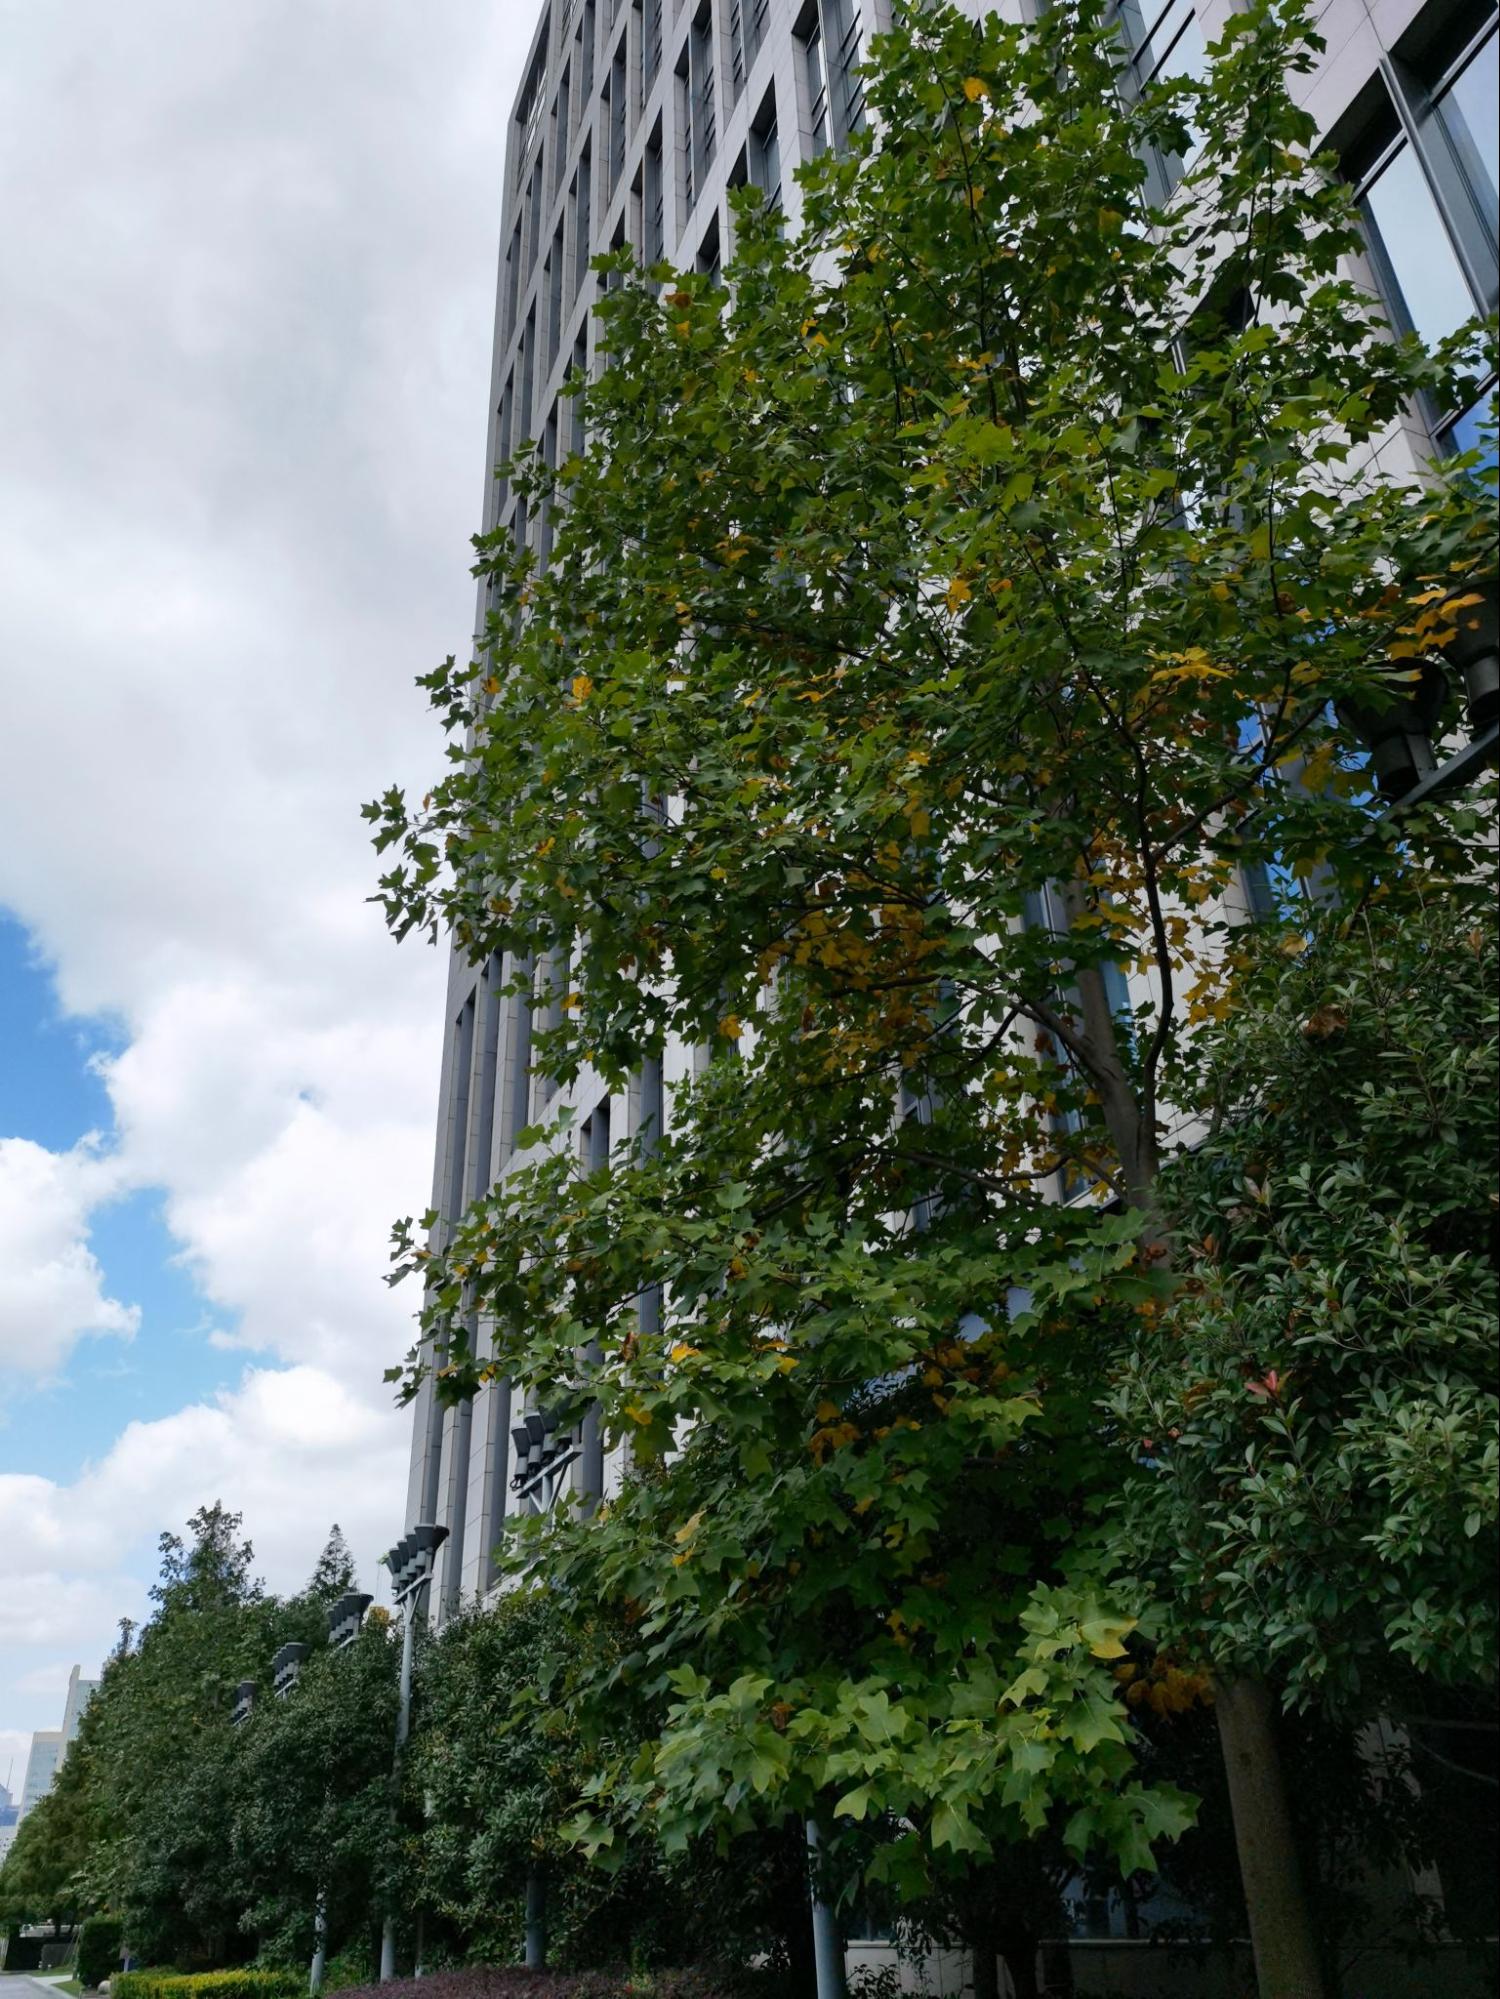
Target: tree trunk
(536,1917)
(1287,1964)
(1019,1949)
(986,1971)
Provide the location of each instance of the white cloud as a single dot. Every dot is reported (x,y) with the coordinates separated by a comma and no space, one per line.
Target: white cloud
(250,257)
(290,1448)
(51,1287)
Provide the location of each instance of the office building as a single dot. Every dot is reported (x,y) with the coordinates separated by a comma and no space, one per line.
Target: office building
(633,120)
(49,1746)
(41,1767)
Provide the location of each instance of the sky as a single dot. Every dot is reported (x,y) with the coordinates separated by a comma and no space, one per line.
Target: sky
(250,262)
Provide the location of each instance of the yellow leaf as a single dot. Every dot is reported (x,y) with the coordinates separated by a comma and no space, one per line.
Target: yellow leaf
(689,1528)
(637,1414)
(682,1351)
(583,687)
(958,593)
(730,1027)
(1107,1648)
(975,87)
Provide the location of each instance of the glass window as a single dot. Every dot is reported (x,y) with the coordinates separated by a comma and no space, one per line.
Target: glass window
(817,85)
(765,155)
(1164,43)
(1470,110)
(1410,237)
(1473,431)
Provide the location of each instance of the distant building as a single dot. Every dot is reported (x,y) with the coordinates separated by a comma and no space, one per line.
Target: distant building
(41,1766)
(80,1693)
(49,1746)
(10,1813)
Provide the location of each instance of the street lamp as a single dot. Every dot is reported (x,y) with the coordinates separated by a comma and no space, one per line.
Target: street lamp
(1409,768)
(411,1563)
(286,1667)
(543,1452)
(344,1620)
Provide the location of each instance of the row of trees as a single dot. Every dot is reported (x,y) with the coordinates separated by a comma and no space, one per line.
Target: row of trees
(199,1837)
(953,627)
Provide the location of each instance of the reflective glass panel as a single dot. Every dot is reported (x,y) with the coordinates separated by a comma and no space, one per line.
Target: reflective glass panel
(1400,205)
(1471,111)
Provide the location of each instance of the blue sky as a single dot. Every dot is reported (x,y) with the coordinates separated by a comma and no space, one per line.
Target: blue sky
(51,1092)
(250,270)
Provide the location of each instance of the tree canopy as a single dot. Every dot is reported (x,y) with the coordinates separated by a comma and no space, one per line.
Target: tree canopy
(946,644)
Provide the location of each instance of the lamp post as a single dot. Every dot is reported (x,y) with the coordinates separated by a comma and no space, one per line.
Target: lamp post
(344,1620)
(411,1563)
(1408,766)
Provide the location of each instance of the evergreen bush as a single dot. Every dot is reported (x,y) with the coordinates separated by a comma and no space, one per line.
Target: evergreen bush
(98,1950)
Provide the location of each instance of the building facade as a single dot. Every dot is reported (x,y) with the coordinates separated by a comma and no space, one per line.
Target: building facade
(49,1746)
(634,119)
(41,1767)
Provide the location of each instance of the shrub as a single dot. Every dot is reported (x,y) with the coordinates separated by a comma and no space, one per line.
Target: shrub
(511,1982)
(245,1984)
(98,1949)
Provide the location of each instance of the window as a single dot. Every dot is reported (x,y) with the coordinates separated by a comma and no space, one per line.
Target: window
(502,439)
(650,47)
(586,37)
(562,130)
(593,1138)
(689,150)
(710,256)
(528,373)
(705,108)
(1423,164)
(765,153)
(815,77)
(580,368)
(529,109)
(755,30)
(583,224)
(554,298)
(843,36)
(653,200)
(534,217)
(518,1057)
(829,36)
(1161,42)
(618,100)
(512,281)
(551,995)
(545,525)
(736,49)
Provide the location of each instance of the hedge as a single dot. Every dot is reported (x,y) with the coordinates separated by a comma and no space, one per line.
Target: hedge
(208,1985)
(511,1982)
(98,1950)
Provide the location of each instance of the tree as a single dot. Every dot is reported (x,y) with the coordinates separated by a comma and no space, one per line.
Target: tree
(502,1755)
(335,1570)
(310,1817)
(937,628)
(136,1823)
(1319,1401)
